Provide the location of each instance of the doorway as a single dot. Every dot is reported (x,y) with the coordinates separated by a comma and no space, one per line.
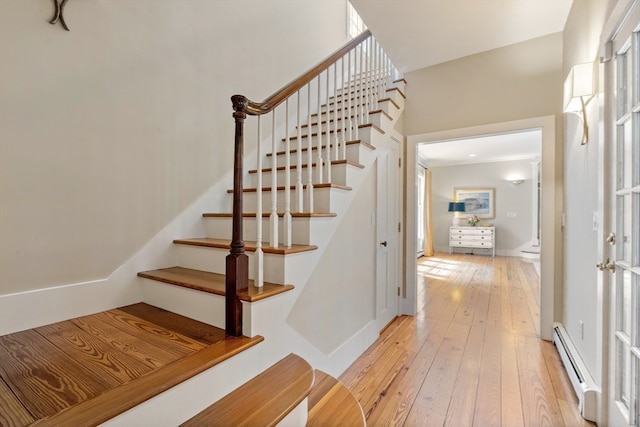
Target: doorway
(506,165)
(550,243)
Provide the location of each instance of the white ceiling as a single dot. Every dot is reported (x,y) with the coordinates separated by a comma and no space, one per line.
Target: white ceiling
(421,33)
(525,145)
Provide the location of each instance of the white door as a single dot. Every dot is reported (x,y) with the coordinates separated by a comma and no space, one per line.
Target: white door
(621,266)
(387,272)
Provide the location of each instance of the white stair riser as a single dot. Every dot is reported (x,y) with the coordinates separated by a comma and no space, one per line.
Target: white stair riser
(201,306)
(400,84)
(381,120)
(339,175)
(354,103)
(355,152)
(332,125)
(395,97)
(304,230)
(380,105)
(321,200)
(355,83)
(214,261)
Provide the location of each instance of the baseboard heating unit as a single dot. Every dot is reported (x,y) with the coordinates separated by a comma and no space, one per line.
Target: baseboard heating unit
(582,382)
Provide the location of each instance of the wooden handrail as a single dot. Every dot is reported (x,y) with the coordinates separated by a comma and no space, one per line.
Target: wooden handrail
(268,105)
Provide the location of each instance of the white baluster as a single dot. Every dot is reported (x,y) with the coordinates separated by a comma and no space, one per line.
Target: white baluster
(348,103)
(287,180)
(367,94)
(378,78)
(299,191)
(346,117)
(309,152)
(328,129)
(358,91)
(319,170)
(273,218)
(259,256)
(343,126)
(335,114)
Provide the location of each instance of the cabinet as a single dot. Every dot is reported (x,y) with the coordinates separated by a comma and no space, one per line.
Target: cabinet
(472,237)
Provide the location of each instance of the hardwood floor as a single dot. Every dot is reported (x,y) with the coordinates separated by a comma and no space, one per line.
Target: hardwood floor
(470,357)
(86,370)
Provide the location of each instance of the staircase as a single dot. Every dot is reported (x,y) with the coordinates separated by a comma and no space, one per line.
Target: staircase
(316,165)
(286,224)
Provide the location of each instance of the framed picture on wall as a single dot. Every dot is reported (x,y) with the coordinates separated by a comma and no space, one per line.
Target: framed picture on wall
(477,201)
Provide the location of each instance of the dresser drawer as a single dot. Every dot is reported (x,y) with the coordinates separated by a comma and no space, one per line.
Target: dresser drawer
(471,231)
(471,237)
(471,243)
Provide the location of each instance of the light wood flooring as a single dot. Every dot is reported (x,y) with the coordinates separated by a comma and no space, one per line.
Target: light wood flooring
(471,356)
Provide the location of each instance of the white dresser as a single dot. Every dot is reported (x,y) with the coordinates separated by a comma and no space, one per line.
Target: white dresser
(472,237)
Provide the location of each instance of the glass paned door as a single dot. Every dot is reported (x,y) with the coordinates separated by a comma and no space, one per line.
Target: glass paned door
(624,349)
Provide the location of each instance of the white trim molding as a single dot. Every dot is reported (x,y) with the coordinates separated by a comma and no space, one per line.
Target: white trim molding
(551,235)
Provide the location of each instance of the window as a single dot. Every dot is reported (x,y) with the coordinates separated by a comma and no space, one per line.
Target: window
(355,25)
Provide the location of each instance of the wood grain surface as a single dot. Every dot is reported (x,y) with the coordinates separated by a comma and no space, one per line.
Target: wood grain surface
(470,357)
(86,370)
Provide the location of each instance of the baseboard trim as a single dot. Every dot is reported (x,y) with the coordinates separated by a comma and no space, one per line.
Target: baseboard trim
(581,380)
(30,309)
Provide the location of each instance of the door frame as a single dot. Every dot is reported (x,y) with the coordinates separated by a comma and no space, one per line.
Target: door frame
(551,212)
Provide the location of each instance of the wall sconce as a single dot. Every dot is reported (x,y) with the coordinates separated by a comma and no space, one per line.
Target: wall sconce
(456,207)
(578,91)
(517,181)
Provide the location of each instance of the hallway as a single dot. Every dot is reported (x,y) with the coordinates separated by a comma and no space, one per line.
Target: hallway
(471,356)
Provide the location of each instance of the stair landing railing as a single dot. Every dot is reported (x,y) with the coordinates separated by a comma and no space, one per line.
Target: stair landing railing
(354,76)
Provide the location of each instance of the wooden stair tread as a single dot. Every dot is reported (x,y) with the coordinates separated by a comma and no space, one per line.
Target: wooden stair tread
(391,101)
(120,399)
(293,167)
(324,147)
(331,131)
(331,403)
(248,246)
(282,187)
(268,214)
(333,110)
(213,283)
(324,122)
(262,401)
(87,370)
(354,91)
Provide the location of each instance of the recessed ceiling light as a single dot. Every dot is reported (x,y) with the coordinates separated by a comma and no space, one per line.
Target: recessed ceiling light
(472,155)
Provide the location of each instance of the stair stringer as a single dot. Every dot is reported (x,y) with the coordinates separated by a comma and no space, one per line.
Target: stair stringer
(270,318)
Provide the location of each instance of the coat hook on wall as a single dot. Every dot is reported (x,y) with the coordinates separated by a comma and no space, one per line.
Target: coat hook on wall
(58,13)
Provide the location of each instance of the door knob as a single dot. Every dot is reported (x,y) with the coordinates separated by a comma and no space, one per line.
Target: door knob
(610,265)
(607,265)
(611,239)
(383,243)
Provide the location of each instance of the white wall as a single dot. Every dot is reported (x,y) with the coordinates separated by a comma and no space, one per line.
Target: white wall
(516,84)
(581,167)
(339,298)
(109,131)
(513,234)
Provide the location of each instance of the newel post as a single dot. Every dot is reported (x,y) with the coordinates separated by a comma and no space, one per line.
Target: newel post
(237,273)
